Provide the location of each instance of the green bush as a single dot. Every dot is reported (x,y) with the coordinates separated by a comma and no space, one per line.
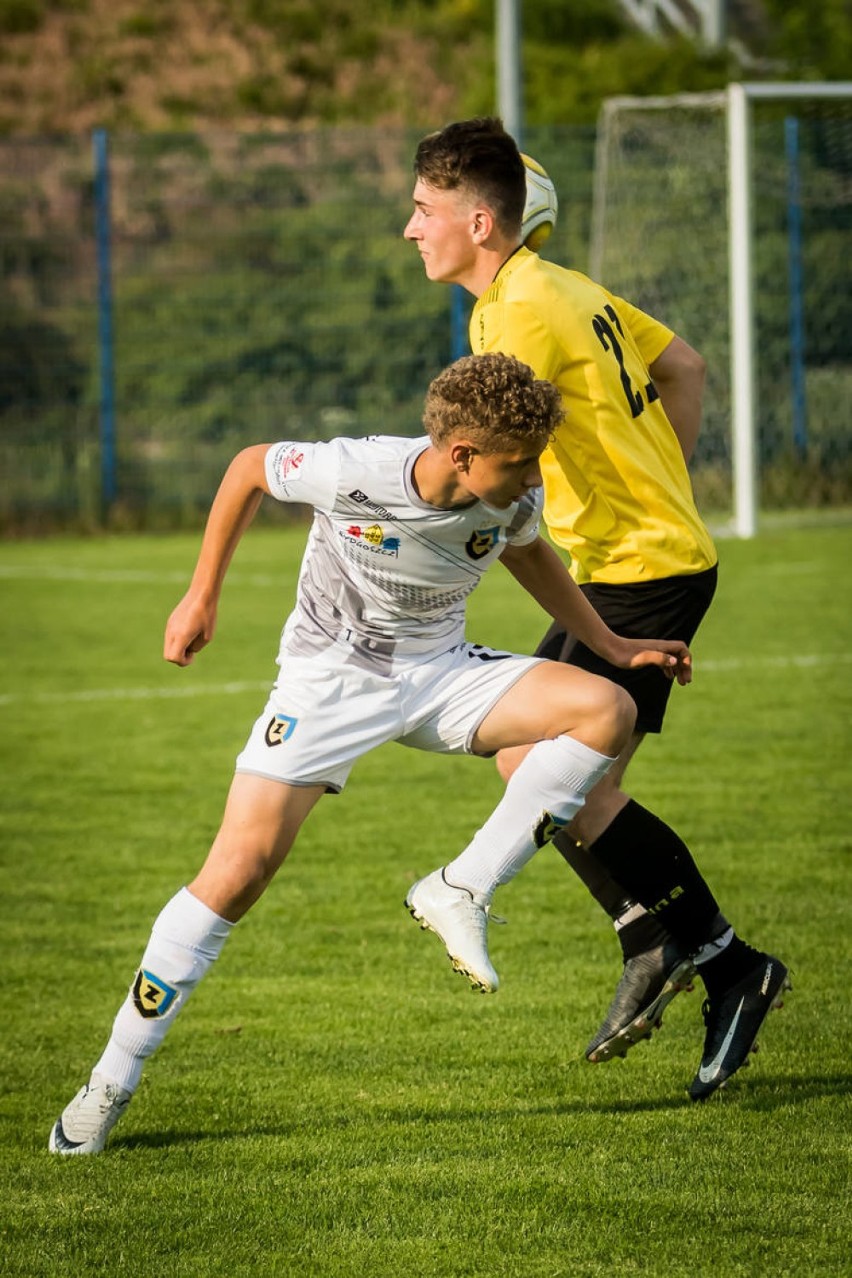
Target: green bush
(20,16)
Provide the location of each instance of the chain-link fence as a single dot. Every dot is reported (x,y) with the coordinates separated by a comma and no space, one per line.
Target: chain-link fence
(166,300)
(661,237)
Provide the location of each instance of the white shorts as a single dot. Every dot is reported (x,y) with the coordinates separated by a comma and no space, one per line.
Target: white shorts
(322,714)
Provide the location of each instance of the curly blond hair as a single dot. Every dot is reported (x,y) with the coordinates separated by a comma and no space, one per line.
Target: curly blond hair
(495,402)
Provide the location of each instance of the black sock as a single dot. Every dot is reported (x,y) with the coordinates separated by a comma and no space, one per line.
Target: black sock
(610,896)
(735,961)
(655,865)
(638,936)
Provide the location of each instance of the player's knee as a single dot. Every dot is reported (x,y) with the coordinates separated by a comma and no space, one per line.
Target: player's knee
(626,712)
(508,760)
(504,765)
(611,718)
(623,715)
(237,872)
(254,873)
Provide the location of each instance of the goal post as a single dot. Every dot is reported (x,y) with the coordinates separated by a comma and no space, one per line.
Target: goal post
(720,215)
(740,291)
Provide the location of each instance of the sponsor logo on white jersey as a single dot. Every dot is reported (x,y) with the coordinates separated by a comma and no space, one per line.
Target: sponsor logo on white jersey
(287,461)
(380,511)
(372,538)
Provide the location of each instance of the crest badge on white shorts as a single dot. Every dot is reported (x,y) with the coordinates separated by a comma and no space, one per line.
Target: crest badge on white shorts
(279,728)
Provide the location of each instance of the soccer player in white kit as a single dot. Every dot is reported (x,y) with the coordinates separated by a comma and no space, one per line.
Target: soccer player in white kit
(375,651)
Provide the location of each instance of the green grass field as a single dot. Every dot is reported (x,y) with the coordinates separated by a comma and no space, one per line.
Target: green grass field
(334,1101)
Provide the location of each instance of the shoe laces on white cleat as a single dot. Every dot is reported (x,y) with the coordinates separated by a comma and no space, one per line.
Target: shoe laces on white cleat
(460,918)
(85,1123)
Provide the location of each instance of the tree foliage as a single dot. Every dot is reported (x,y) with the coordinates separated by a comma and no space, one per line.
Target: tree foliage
(261,290)
(283,63)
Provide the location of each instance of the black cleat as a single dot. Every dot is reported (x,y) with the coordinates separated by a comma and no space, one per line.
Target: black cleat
(733,1022)
(648,984)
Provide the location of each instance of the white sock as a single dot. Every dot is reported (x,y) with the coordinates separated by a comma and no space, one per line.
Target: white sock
(713,948)
(542,795)
(185,940)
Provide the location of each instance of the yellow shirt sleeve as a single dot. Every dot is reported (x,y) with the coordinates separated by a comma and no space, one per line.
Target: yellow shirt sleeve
(649,334)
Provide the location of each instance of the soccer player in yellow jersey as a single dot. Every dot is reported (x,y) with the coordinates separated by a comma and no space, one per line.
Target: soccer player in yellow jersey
(618,498)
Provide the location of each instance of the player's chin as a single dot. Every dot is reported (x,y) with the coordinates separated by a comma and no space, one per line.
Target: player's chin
(436,274)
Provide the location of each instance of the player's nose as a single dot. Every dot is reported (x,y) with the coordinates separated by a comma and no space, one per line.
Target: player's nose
(533,478)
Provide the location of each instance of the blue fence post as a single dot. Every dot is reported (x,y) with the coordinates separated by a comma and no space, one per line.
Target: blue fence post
(103,241)
(796,310)
(458,323)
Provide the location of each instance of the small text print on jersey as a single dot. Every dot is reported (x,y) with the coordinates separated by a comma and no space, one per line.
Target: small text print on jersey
(287,461)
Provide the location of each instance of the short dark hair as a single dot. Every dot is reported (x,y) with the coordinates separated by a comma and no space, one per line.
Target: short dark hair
(497,402)
(480,157)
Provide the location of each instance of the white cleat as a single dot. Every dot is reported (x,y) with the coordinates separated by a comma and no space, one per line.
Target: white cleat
(85,1123)
(460,918)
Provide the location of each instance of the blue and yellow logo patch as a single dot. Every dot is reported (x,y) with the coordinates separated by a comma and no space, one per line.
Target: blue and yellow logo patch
(546,828)
(279,728)
(481,541)
(151,996)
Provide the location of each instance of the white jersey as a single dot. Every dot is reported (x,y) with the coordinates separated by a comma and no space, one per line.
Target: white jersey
(384,573)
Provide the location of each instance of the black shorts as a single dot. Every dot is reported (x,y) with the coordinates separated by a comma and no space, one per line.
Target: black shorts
(671,608)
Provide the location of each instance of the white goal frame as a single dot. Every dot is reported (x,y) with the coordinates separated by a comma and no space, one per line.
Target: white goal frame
(736,101)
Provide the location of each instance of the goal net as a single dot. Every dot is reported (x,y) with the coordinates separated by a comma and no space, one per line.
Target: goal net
(728,217)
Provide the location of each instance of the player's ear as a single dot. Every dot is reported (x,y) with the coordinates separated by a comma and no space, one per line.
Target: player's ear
(482,223)
(461,455)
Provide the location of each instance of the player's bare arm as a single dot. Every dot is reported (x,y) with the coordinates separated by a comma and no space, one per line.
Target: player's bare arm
(678,374)
(541,572)
(192,624)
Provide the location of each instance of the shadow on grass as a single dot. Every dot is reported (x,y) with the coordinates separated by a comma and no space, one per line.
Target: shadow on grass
(746,1091)
(763,1095)
(766,1093)
(174,1139)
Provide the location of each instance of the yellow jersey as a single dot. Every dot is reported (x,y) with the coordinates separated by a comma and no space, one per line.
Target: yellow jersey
(617,491)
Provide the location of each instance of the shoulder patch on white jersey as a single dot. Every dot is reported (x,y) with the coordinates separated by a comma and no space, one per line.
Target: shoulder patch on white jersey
(286,461)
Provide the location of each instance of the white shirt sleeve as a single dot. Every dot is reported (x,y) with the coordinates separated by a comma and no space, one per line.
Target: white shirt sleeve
(524,528)
(308,473)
